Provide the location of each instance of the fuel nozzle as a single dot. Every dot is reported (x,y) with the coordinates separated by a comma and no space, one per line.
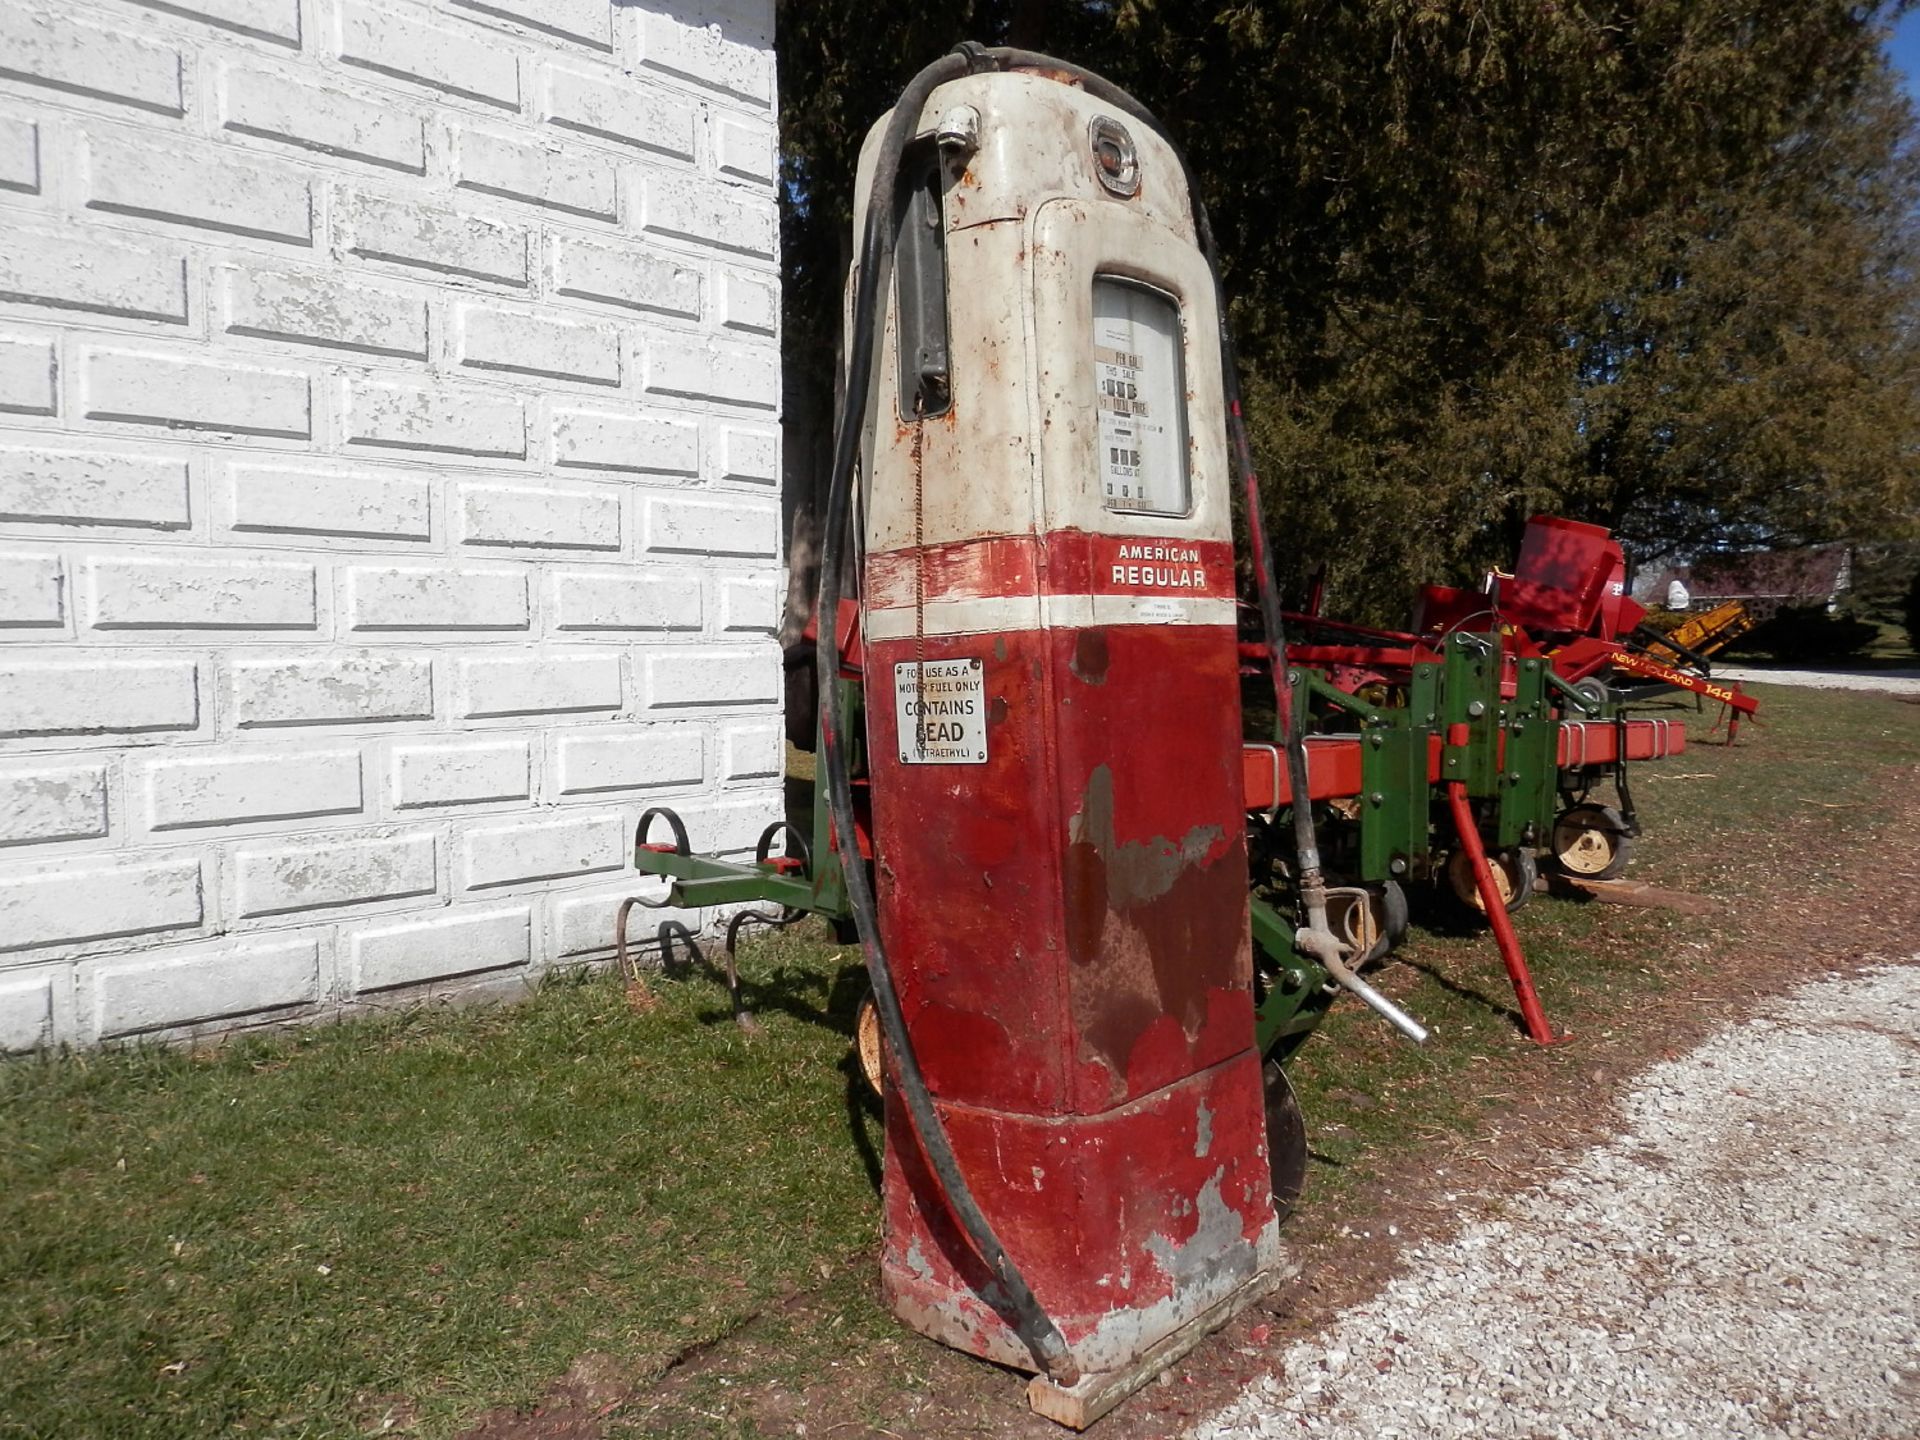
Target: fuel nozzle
(1318,942)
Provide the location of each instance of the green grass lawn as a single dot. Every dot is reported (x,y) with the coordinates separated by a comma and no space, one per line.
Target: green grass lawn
(408,1220)
(424,1215)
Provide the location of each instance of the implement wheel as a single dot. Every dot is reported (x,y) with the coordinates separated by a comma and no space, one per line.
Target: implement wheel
(869,1042)
(1514,872)
(1286,1138)
(1591,842)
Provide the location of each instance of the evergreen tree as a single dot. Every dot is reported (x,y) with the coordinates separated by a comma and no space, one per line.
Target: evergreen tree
(1645,262)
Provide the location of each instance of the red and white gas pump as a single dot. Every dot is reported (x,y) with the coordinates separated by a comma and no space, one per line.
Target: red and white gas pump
(1076,1174)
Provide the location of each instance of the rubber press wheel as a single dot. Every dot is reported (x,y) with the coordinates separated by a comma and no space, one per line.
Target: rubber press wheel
(1591,841)
(1286,1138)
(1514,872)
(869,1042)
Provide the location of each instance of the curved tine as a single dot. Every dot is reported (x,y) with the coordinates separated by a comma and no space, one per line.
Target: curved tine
(670,931)
(665,902)
(639,994)
(628,966)
(789,915)
(741,1016)
(739,922)
(734,926)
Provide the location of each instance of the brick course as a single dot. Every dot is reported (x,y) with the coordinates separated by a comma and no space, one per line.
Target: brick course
(388,441)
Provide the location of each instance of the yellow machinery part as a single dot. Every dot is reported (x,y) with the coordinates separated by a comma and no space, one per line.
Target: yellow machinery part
(1704,634)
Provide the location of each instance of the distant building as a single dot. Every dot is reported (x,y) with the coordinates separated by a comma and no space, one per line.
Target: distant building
(1765,580)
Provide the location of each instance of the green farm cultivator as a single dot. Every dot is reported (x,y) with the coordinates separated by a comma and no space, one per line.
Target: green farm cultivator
(1463,755)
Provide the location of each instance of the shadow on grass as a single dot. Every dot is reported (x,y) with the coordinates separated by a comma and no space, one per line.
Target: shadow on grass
(1713,741)
(1473,995)
(1438,912)
(803,993)
(863,1110)
(800,992)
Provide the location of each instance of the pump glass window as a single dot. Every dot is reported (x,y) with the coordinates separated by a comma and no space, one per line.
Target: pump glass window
(1139,389)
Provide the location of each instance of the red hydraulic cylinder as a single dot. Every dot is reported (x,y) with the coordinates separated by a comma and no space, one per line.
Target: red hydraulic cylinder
(1468,830)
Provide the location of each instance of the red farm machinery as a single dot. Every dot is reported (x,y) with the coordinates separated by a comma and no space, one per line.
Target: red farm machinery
(1098,916)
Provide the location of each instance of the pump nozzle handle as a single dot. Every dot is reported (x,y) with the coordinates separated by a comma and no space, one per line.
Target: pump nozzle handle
(1383,1007)
(1325,948)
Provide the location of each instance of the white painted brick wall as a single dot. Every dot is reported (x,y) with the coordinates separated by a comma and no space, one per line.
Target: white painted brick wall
(540,517)
(28,373)
(94,270)
(327,687)
(173,392)
(463,943)
(432,237)
(273,105)
(41,801)
(439,773)
(224,982)
(44,485)
(67,53)
(31,593)
(388,442)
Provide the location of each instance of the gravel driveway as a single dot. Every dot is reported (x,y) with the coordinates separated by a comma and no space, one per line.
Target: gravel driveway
(1892,682)
(1742,1261)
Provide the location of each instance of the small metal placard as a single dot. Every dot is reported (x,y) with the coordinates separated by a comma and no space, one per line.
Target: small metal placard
(941,706)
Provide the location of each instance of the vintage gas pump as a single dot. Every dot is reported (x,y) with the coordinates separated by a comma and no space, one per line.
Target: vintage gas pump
(1076,1176)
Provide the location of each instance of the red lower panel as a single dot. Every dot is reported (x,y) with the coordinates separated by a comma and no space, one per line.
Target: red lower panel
(1068,923)
(1069,919)
(1126,1224)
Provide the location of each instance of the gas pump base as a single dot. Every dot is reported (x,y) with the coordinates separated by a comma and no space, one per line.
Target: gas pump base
(1078,1406)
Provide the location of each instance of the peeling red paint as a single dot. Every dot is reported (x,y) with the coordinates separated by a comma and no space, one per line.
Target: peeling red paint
(1090,657)
(1071,918)
(1067,562)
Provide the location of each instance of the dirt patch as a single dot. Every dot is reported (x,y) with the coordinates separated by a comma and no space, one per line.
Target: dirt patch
(576,1408)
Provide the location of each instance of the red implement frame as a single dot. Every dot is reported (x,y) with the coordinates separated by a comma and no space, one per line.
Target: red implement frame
(1333,761)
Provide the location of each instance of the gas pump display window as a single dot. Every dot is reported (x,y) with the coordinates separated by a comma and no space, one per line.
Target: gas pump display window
(1139,385)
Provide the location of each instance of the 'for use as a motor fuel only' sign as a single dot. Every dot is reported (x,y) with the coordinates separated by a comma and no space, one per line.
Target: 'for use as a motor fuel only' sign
(941,707)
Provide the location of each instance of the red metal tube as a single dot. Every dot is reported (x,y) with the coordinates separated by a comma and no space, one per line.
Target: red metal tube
(1469,831)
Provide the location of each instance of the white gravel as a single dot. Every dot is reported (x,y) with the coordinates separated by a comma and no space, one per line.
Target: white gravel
(1742,1261)
(1891,682)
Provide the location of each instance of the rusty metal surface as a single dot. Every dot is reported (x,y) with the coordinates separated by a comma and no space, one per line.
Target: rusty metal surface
(1067,908)
(1078,1406)
(1128,1224)
(1033,143)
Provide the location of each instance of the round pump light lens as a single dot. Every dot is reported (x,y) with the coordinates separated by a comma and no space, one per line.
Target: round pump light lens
(1115,160)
